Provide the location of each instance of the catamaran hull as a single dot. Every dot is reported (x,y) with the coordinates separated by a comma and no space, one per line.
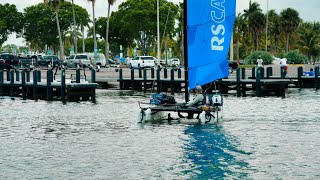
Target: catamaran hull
(211,117)
(148,115)
(205,117)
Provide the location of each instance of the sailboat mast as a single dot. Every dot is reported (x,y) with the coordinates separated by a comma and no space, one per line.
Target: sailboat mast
(185,49)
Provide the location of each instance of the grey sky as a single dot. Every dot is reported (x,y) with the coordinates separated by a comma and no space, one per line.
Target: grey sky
(308,9)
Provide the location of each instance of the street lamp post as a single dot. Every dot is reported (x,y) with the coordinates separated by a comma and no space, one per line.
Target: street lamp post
(267,25)
(158,33)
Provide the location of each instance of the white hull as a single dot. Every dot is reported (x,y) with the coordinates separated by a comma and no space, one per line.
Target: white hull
(148,115)
(213,118)
(205,117)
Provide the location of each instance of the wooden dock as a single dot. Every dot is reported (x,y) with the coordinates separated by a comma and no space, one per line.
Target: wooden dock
(262,81)
(145,83)
(19,84)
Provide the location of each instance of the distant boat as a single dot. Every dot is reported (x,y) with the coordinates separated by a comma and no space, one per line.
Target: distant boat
(208,31)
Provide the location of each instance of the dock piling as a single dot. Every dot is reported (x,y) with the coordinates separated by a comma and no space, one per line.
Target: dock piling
(28,75)
(283,72)
(11,82)
(1,81)
(49,89)
(35,84)
(17,75)
(165,73)
(39,76)
(243,73)
(132,79)
(300,74)
(63,85)
(145,80)
(258,82)
(253,73)
(121,79)
(140,72)
(93,76)
(238,82)
(269,72)
(152,73)
(158,81)
(23,83)
(172,81)
(8,75)
(78,76)
(316,78)
(179,73)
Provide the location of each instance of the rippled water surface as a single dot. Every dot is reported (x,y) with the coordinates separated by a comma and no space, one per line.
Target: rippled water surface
(260,138)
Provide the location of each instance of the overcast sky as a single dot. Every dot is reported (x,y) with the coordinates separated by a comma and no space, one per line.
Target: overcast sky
(308,9)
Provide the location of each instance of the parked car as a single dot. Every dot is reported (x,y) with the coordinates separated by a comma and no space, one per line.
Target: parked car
(49,60)
(174,62)
(10,59)
(142,61)
(100,60)
(4,65)
(233,65)
(79,59)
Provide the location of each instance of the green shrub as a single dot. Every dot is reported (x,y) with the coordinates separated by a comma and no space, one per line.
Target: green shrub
(252,59)
(294,57)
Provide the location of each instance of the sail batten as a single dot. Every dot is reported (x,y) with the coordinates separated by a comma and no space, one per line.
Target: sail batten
(209,29)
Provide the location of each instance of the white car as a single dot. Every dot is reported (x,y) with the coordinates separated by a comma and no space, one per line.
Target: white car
(142,61)
(100,60)
(79,59)
(174,62)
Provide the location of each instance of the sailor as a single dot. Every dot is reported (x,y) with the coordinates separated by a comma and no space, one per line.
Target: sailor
(197,101)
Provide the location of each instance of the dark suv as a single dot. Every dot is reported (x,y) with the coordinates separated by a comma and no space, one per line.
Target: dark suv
(49,59)
(4,65)
(10,59)
(233,65)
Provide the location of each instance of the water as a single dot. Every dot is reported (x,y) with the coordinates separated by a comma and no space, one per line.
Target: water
(261,138)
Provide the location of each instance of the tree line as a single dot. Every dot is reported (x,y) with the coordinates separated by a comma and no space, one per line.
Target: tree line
(286,32)
(60,24)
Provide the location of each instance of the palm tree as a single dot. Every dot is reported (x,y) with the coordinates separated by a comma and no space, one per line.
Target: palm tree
(309,40)
(94,24)
(274,29)
(253,7)
(239,32)
(110,2)
(74,29)
(289,22)
(257,23)
(55,4)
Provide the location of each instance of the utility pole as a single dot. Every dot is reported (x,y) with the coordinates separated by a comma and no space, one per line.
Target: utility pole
(158,33)
(267,23)
(231,48)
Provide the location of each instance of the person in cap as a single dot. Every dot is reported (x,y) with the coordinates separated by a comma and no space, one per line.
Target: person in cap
(198,99)
(260,62)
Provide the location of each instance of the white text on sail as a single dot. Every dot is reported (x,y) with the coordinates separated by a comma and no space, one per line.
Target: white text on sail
(218,15)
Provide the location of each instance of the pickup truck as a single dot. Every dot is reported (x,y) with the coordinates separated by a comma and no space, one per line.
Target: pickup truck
(79,59)
(142,61)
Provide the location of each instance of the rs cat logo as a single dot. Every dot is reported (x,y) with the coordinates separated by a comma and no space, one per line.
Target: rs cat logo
(218,15)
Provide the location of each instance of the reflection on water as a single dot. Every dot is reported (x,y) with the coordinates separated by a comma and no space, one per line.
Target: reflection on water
(260,138)
(213,153)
